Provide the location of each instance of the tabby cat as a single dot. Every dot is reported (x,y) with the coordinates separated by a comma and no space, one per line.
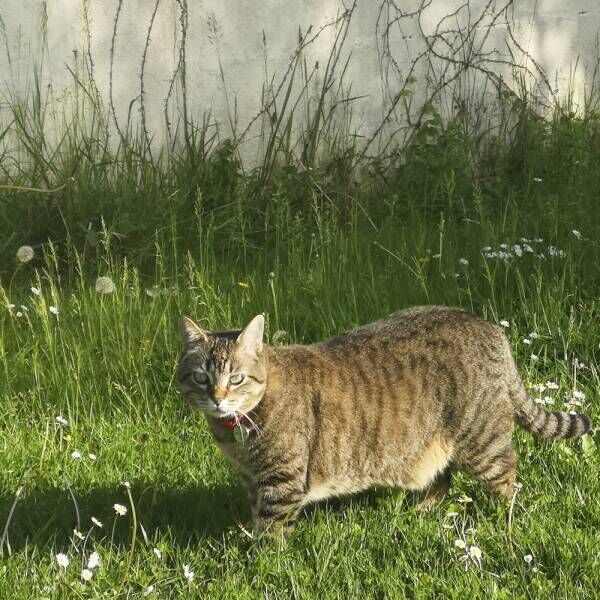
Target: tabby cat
(399,402)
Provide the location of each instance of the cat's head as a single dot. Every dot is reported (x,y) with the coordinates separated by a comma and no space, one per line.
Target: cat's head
(223,373)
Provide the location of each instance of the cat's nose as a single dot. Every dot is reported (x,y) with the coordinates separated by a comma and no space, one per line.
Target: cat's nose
(219,395)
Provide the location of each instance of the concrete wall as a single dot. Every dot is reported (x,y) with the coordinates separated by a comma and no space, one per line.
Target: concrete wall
(236,50)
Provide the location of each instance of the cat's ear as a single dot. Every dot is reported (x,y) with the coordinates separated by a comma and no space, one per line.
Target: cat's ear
(251,338)
(190,333)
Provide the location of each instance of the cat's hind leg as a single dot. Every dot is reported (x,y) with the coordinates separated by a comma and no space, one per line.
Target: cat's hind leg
(436,492)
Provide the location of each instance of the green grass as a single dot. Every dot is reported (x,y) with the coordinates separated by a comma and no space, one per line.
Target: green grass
(318,251)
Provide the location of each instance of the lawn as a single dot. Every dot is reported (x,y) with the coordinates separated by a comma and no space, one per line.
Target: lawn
(91,420)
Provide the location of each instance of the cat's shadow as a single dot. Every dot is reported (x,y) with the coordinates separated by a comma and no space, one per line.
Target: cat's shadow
(186,515)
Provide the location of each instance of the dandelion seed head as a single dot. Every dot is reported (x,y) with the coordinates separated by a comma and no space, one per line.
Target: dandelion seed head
(63,560)
(105,285)
(25,254)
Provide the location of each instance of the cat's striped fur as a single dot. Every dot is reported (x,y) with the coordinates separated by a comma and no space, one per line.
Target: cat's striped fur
(399,402)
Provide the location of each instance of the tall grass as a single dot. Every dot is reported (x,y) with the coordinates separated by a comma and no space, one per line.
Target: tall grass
(320,239)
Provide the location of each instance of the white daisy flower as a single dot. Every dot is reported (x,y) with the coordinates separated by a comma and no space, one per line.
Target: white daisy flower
(527,341)
(93,560)
(551,385)
(25,254)
(157,552)
(475,552)
(576,233)
(528,558)
(188,574)
(78,534)
(60,419)
(36,291)
(460,544)
(76,455)
(527,248)
(534,336)
(534,357)
(504,323)
(63,560)
(578,395)
(96,522)
(92,456)
(517,250)
(120,509)
(53,309)
(105,285)
(86,575)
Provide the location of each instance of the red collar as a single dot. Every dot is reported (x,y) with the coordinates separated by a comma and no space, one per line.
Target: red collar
(233,422)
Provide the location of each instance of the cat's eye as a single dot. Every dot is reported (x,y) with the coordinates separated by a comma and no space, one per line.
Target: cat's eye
(200,377)
(236,378)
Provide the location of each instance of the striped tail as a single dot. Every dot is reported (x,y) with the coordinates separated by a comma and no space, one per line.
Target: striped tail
(552,424)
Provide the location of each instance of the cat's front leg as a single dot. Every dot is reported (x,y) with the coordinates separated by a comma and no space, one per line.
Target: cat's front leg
(278,502)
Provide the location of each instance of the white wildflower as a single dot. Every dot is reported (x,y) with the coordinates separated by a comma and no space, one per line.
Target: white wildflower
(62,560)
(93,560)
(527,248)
(504,246)
(534,336)
(157,552)
(120,509)
(538,179)
(127,484)
(25,254)
(148,590)
(527,341)
(78,534)
(460,544)
(576,233)
(188,574)
(463,261)
(475,554)
(517,250)
(551,385)
(86,575)
(452,513)
(464,499)
(105,285)
(60,419)
(539,387)
(76,455)
(92,456)
(53,309)
(486,249)
(36,291)
(528,558)
(504,323)
(19,314)
(578,395)
(96,522)
(534,357)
